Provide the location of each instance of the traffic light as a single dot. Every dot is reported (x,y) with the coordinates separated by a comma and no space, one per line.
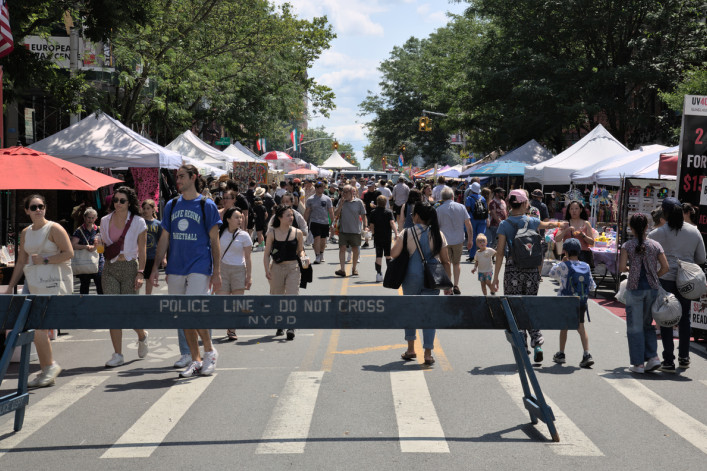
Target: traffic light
(402,148)
(425,125)
(335,145)
(384,163)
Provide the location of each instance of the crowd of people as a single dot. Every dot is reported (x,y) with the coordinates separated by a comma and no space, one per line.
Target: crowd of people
(206,237)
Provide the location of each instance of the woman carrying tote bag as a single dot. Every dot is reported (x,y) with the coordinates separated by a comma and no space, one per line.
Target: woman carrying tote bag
(83,242)
(680,242)
(43,245)
(433,245)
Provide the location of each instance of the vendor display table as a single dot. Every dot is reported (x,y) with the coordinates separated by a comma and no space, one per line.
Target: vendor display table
(607,257)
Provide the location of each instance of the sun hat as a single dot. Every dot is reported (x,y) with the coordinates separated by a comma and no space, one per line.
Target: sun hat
(538,192)
(475,187)
(260,191)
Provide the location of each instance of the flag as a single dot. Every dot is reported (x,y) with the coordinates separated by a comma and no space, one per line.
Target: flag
(257,145)
(262,144)
(6,44)
(295,142)
(401,161)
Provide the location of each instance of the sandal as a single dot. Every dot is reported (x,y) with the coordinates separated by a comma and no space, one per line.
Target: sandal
(429,361)
(408,356)
(231,333)
(340,273)
(354,273)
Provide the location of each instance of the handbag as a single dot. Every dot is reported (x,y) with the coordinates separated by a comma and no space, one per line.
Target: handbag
(397,268)
(666,309)
(306,274)
(85,262)
(45,278)
(435,275)
(691,280)
(113,250)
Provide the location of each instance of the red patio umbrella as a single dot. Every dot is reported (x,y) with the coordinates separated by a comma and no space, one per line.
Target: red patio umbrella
(27,169)
(276,154)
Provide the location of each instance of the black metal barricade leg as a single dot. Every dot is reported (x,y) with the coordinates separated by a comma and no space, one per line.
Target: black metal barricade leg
(18,400)
(534,403)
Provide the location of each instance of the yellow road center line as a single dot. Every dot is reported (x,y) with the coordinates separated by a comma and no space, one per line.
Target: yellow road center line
(328,360)
(379,348)
(365,285)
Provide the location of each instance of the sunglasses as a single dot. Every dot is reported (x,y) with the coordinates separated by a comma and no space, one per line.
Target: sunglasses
(35,207)
(121,200)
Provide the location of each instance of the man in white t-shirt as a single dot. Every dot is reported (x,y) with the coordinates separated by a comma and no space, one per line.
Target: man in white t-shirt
(437,191)
(385,191)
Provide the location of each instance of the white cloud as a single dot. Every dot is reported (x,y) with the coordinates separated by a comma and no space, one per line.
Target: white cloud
(347,16)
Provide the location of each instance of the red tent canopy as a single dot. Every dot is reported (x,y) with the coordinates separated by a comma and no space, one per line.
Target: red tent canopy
(668,164)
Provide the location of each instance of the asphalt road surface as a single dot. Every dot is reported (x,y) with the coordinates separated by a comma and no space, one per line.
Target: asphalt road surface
(343,399)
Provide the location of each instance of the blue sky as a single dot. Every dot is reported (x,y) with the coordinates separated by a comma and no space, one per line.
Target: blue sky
(367,30)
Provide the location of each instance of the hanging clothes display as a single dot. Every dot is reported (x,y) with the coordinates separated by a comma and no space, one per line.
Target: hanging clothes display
(147,183)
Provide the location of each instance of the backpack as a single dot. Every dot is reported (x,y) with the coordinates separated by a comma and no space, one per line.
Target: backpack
(578,277)
(526,250)
(480,211)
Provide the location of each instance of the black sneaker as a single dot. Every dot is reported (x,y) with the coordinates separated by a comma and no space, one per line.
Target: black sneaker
(683,363)
(290,334)
(365,245)
(559,357)
(538,356)
(667,367)
(587,361)
(279,332)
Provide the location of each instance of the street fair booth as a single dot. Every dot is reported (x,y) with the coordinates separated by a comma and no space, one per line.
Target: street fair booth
(204,169)
(239,155)
(101,141)
(596,147)
(336,162)
(188,144)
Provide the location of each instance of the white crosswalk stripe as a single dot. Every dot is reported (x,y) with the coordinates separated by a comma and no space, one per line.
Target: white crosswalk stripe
(573,442)
(39,414)
(289,423)
(672,417)
(419,427)
(143,438)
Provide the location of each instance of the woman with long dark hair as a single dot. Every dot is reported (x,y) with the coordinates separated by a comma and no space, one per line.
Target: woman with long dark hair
(579,228)
(641,291)
(284,244)
(684,242)
(433,245)
(43,242)
(124,273)
(405,217)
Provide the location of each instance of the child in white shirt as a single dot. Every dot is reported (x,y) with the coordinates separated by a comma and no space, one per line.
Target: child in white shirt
(483,261)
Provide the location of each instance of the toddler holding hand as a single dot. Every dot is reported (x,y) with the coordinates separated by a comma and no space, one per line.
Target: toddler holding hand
(483,261)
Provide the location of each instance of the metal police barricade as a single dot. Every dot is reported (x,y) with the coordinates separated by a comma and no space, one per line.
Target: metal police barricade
(23,314)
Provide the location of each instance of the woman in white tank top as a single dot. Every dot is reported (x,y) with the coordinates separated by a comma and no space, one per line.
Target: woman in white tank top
(44,242)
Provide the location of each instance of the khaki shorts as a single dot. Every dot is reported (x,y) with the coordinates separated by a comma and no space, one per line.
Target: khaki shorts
(349,239)
(232,277)
(455,253)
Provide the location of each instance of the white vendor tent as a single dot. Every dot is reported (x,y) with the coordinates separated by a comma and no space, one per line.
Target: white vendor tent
(188,144)
(588,174)
(245,150)
(646,167)
(597,146)
(531,153)
(336,162)
(238,155)
(101,141)
(205,169)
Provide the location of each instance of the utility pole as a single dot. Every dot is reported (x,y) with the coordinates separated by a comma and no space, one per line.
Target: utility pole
(74,63)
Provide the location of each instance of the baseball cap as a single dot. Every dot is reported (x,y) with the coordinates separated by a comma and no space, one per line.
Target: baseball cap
(571,245)
(296,180)
(318,184)
(517,196)
(475,187)
(371,183)
(669,204)
(538,192)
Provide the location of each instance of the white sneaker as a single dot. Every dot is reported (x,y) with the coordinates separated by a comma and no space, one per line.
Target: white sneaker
(348,258)
(652,364)
(115,360)
(183,361)
(636,369)
(192,370)
(209,364)
(379,277)
(45,377)
(142,347)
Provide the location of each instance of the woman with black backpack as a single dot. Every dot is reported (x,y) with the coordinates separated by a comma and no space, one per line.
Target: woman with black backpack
(521,276)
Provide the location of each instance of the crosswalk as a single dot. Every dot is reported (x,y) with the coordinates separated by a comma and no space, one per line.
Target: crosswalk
(419,425)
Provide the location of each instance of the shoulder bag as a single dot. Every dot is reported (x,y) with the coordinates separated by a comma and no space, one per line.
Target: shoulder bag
(435,274)
(45,278)
(113,250)
(397,268)
(85,262)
